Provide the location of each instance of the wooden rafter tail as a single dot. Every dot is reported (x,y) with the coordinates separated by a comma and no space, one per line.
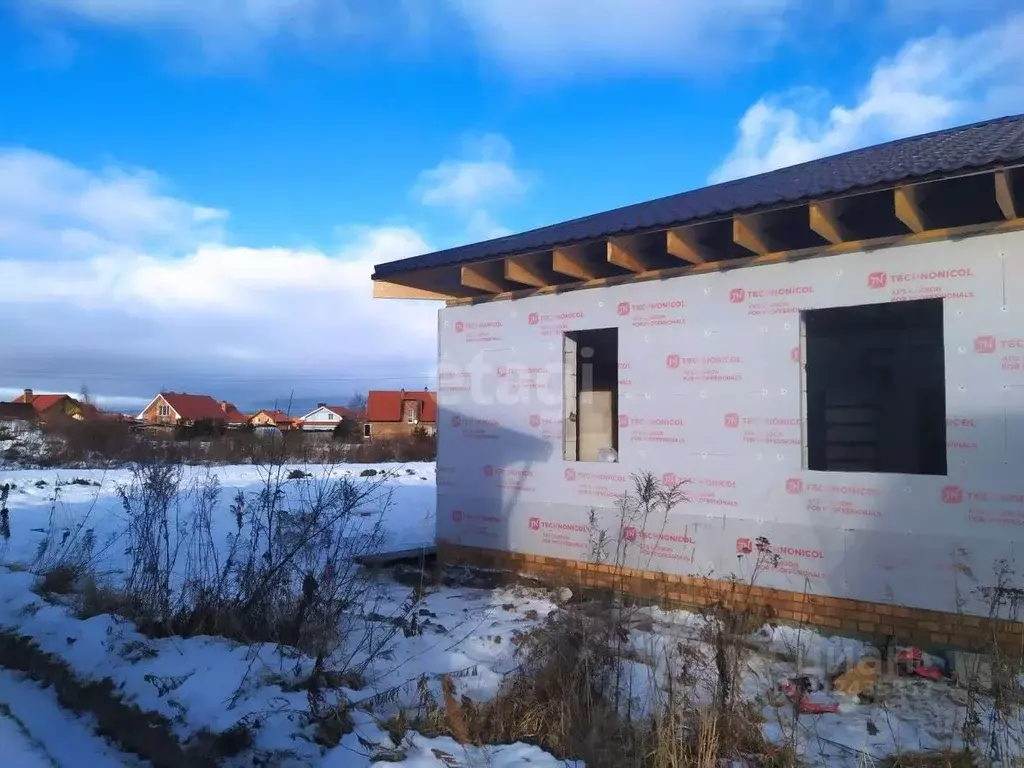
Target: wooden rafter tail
(527,270)
(684,244)
(383,289)
(1005,197)
(826,222)
(849,246)
(748,232)
(625,252)
(572,262)
(486,277)
(907,205)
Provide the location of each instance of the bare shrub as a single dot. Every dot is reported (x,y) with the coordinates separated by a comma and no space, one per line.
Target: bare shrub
(151,502)
(112,443)
(67,554)
(574,694)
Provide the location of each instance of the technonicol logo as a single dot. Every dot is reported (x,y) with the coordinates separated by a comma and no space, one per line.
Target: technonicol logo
(740,295)
(536,318)
(804,552)
(794,486)
(746,547)
(877,280)
(985,345)
(953,494)
(625,307)
(537,524)
(630,533)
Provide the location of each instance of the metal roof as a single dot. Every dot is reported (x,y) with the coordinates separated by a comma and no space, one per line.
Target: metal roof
(952,151)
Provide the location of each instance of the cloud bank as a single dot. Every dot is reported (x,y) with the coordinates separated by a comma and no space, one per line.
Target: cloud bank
(112,283)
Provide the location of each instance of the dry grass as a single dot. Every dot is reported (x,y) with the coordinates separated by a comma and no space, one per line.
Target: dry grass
(572,693)
(287,574)
(60,579)
(566,698)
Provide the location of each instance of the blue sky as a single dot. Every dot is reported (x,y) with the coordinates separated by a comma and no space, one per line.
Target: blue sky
(192,194)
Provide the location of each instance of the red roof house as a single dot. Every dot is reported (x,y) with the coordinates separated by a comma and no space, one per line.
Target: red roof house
(396,413)
(171,408)
(52,405)
(272,418)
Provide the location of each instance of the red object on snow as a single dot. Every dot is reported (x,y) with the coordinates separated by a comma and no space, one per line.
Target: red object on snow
(797,690)
(911,660)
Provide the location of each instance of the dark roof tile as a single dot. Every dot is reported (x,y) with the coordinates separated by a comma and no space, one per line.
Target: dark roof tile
(987,144)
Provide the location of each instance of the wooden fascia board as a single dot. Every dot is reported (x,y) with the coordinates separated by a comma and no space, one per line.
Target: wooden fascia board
(384,289)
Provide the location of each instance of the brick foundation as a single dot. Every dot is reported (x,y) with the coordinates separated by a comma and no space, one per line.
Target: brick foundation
(874,621)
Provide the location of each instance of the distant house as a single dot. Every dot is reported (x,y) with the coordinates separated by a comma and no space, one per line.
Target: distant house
(235,419)
(325,418)
(272,418)
(397,413)
(52,406)
(181,408)
(17,414)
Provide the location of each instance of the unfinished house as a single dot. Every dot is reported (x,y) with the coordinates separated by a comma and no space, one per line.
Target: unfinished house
(828,360)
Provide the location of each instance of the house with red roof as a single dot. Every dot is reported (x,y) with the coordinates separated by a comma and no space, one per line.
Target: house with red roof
(174,408)
(52,406)
(397,413)
(325,418)
(268,417)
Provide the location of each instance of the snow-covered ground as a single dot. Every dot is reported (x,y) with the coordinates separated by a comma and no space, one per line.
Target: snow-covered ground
(73,495)
(211,683)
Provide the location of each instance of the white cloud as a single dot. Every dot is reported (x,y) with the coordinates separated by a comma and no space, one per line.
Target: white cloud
(564,38)
(482,179)
(228,21)
(546,39)
(50,206)
(485,175)
(114,304)
(931,83)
